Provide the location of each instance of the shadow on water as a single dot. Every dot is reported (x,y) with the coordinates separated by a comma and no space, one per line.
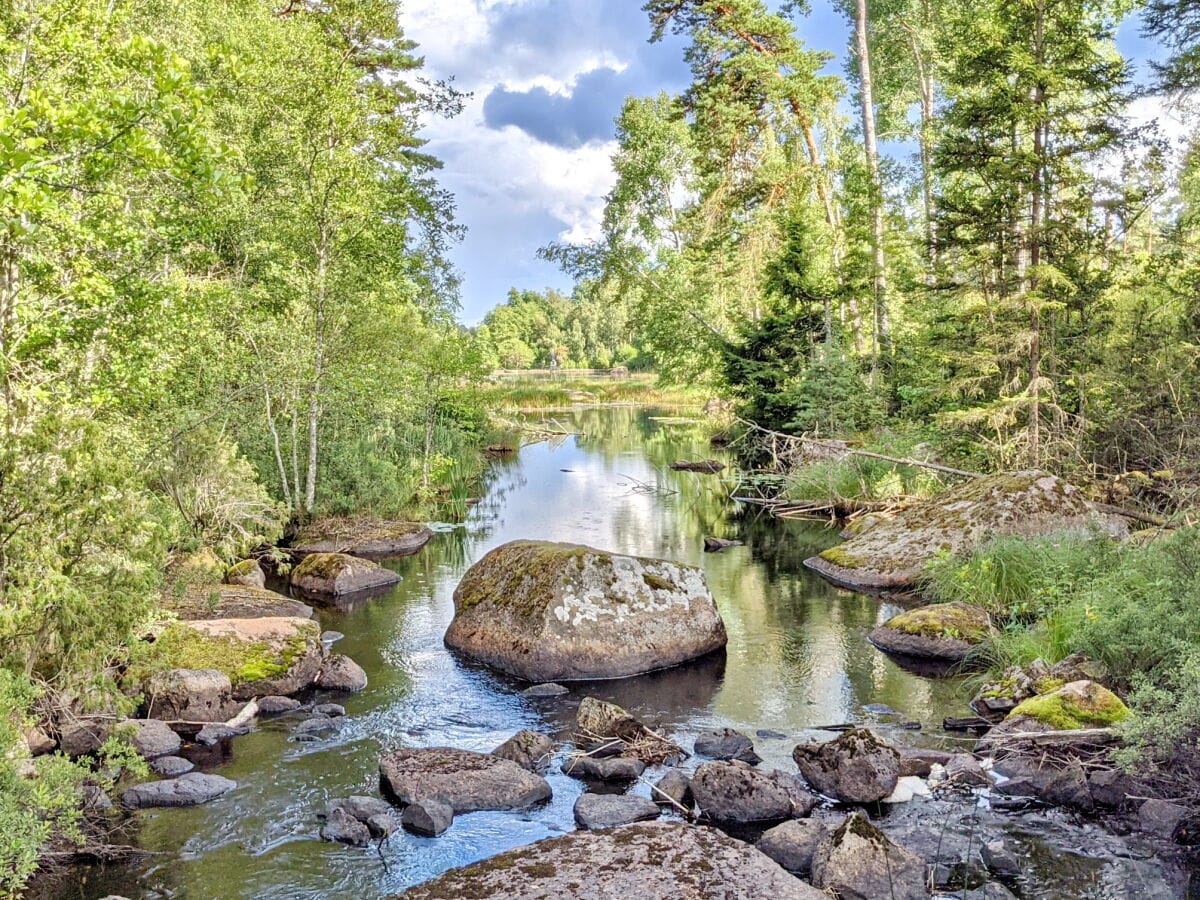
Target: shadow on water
(797,658)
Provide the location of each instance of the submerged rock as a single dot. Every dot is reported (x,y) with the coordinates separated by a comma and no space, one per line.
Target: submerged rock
(548,689)
(464,780)
(247,573)
(528,749)
(233,601)
(857,767)
(857,861)
(362,537)
(943,631)
(704,466)
(340,673)
(190,789)
(650,859)
(216,732)
(717,545)
(190,695)
(337,574)
(545,611)
(725,743)
(892,553)
(609,810)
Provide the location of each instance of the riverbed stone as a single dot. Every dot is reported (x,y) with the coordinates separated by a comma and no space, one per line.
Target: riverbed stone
(793,843)
(645,859)
(857,861)
(528,749)
(594,811)
(726,744)
(338,574)
(275,705)
(856,767)
(362,536)
(609,768)
(190,789)
(545,611)
(547,689)
(383,825)
(360,806)
(247,573)
(947,632)
(343,828)
(1059,784)
(1000,859)
(216,732)
(332,710)
(232,601)
(718,545)
(892,553)
(1161,817)
(675,787)
(735,792)
(171,766)
(427,817)
(317,726)
(152,737)
(920,761)
(342,674)
(465,780)
(190,695)
(965,769)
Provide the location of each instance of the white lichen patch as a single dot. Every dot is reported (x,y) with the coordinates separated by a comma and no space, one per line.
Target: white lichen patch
(622,587)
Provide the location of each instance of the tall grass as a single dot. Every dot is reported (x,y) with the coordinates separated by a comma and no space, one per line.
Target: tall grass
(864,478)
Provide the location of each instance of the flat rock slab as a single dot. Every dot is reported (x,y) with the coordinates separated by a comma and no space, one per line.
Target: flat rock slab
(463,780)
(891,552)
(650,859)
(947,632)
(610,810)
(339,574)
(362,537)
(265,656)
(190,789)
(561,612)
(234,601)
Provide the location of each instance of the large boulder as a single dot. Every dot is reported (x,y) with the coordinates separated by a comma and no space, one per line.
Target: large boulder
(941,631)
(857,767)
(232,601)
(463,780)
(190,789)
(268,655)
(646,859)
(858,862)
(892,553)
(557,612)
(736,792)
(190,695)
(338,574)
(362,537)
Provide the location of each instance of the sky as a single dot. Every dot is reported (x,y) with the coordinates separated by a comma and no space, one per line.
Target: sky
(528,159)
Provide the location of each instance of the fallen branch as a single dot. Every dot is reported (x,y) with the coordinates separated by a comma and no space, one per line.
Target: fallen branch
(655,789)
(1040,737)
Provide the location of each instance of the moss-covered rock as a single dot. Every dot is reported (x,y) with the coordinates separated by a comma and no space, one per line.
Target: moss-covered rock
(337,574)
(247,573)
(362,536)
(892,553)
(942,631)
(1080,704)
(262,656)
(230,601)
(554,612)
(997,698)
(200,567)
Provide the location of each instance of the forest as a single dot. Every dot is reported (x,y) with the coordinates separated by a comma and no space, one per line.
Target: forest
(228,309)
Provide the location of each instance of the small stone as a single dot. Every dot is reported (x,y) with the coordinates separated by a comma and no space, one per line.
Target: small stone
(766,734)
(341,673)
(329,638)
(171,766)
(1111,788)
(316,726)
(360,807)
(963,768)
(613,768)
(547,689)
(331,710)
(382,826)
(427,817)
(609,810)
(793,843)
(342,827)
(215,732)
(916,761)
(677,786)
(1000,860)
(803,801)
(38,741)
(274,706)
(725,743)
(528,749)
(1160,817)
(153,737)
(857,767)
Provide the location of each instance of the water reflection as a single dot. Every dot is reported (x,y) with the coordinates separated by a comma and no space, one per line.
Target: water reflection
(797,659)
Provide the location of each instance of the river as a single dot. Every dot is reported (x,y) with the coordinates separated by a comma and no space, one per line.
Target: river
(797,658)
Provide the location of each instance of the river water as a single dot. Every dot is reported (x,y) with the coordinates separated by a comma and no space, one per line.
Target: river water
(797,658)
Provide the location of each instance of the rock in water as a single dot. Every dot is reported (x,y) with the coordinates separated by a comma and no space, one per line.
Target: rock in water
(275,706)
(152,737)
(542,691)
(725,743)
(703,466)
(191,789)
(190,695)
(793,843)
(675,789)
(941,631)
(609,768)
(609,810)
(544,611)
(892,552)
(855,768)
(735,792)
(647,859)
(171,766)
(859,862)
(340,673)
(528,749)
(716,544)
(362,537)
(337,574)
(463,780)
(427,817)
(342,827)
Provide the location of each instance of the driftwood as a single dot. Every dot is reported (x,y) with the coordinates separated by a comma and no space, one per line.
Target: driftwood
(244,715)
(1053,737)
(969,723)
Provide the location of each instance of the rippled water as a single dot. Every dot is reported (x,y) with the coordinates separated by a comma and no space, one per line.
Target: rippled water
(797,658)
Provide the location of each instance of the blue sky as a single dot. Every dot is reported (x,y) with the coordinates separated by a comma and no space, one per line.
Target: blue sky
(528,159)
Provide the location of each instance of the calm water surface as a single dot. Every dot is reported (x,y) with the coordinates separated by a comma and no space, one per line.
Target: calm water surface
(797,658)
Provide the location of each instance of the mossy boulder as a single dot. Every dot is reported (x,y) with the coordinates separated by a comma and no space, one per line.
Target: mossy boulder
(941,631)
(1080,704)
(231,601)
(247,573)
(263,656)
(338,574)
(362,536)
(996,699)
(892,553)
(562,612)
(857,767)
(645,859)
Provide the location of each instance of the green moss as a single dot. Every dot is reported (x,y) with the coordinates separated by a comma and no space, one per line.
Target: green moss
(656,583)
(245,567)
(944,620)
(181,647)
(321,565)
(1071,707)
(1046,685)
(1005,687)
(839,556)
